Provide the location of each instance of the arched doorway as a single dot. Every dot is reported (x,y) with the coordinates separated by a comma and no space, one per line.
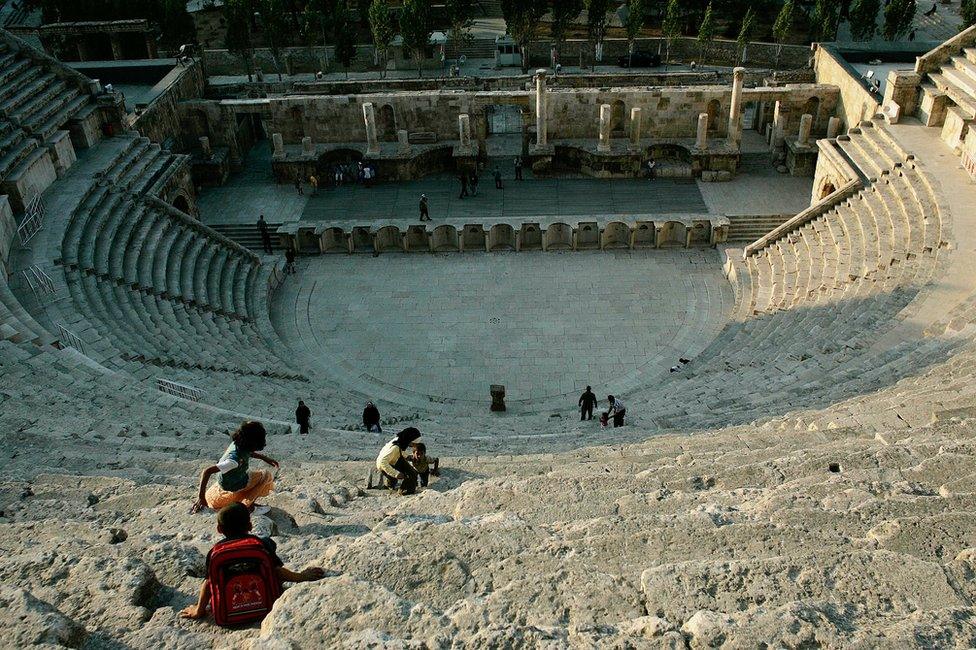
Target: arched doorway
(182,204)
(827,189)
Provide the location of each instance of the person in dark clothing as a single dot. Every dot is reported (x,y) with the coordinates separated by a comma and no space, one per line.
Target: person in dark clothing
(586,403)
(518,168)
(464,185)
(498,178)
(393,464)
(474,184)
(290,261)
(302,416)
(371,418)
(265,235)
(424,208)
(931,12)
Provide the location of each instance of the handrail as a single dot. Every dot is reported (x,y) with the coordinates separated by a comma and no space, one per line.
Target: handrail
(186,219)
(819,208)
(938,55)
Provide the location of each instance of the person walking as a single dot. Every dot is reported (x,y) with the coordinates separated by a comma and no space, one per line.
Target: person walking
(498,178)
(298,186)
(424,208)
(586,403)
(265,235)
(290,261)
(617,409)
(463,178)
(518,168)
(474,184)
(302,417)
(314,182)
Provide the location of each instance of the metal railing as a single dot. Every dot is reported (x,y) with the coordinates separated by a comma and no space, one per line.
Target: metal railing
(33,220)
(69,339)
(40,283)
(179,390)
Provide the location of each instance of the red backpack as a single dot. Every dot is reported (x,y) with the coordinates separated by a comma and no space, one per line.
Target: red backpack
(243,584)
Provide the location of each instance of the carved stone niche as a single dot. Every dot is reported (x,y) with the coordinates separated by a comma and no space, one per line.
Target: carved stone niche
(497,398)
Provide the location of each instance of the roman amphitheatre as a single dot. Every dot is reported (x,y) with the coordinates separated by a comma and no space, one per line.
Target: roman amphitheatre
(767,257)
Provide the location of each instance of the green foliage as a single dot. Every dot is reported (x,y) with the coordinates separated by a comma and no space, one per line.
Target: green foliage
(237,38)
(706,32)
(968,13)
(636,13)
(381,24)
(564,12)
(596,19)
(746,32)
(671,27)
(344,33)
(459,18)
(783,27)
(169,16)
(898,18)
(825,19)
(522,22)
(415,28)
(317,21)
(863,19)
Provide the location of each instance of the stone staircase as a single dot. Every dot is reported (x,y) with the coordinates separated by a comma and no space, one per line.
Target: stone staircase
(749,228)
(949,97)
(247,235)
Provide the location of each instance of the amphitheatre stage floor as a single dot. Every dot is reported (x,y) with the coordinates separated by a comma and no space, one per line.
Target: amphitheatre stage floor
(442,328)
(759,190)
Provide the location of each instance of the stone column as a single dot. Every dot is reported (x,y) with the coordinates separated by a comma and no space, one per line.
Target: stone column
(151,51)
(779,124)
(279,145)
(464,130)
(833,127)
(701,142)
(541,109)
(806,123)
(307,148)
(735,108)
(605,112)
(635,127)
(369,116)
(205,146)
(403,142)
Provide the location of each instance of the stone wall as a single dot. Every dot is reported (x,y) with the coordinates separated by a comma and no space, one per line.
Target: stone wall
(8,231)
(932,60)
(573,114)
(162,119)
(292,60)
(721,52)
(856,101)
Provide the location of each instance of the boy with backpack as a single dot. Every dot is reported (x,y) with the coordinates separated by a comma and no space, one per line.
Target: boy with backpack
(244,573)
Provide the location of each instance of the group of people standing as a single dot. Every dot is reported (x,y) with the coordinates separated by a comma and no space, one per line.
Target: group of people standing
(615,408)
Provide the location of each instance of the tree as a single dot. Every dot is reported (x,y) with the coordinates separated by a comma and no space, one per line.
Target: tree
(175,24)
(459,14)
(596,25)
(415,29)
(344,32)
(671,28)
(898,18)
(271,14)
(863,18)
(783,27)
(521,23)
(564,12)
(968,14)
(237,38)
(825,20)
(634,24)
(745,35)
(383,28)
(706,33)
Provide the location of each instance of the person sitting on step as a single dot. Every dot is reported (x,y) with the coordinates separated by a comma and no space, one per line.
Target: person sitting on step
(236,484)
(392,462)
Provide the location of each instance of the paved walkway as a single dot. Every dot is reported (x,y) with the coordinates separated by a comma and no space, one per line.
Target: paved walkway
(445,327)
(253,192)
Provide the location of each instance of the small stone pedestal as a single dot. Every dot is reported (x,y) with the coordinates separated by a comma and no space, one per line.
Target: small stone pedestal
(801,159)
(497,398)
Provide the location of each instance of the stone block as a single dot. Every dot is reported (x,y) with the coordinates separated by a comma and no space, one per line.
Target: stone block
(955,127)
(34,175)
(85,128)
(932,109)
(8,230)
(62,152)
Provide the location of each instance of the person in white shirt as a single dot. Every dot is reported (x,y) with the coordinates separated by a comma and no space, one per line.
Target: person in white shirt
(617,410)
(392,461)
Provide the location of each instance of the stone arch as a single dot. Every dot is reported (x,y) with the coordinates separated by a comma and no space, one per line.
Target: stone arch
(388,240)
(616,234)
(182,204)
(416,239)
(644,235)
(712,109)
(559,236)
(530,237)
(673,234)
(334,240)
(825,191)
(501,237)
(618,116)
(444,239)
(386,124)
